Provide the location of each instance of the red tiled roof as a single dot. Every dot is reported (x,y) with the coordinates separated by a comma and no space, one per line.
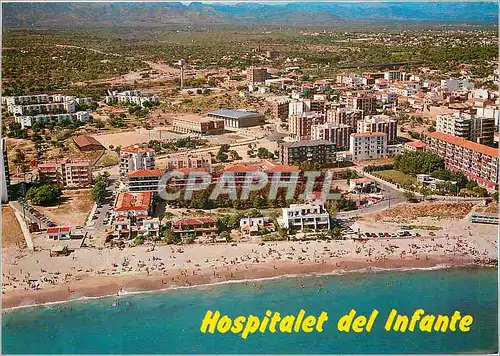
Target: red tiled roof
(283,168)
(465,143)
(84,140)
(238,168)
(137,148)
(416,144)
(133,201)
(193,221)
(362,180)
(57,229)
(145,173)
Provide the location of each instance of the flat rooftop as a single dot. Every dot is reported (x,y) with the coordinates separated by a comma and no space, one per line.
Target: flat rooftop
(233,113)
(195,118)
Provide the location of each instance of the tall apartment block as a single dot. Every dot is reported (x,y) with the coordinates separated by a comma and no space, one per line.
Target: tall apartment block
(281,110)
(300,125)
(68,173)
(256,75)
(339,134)
(314,151)
(342,115)
(379,123)
(4,171)
(368,145)
(473,128)
(366,103)
(477,162)
(135,157)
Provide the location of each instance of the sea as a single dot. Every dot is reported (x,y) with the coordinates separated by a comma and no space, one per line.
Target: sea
(164,322)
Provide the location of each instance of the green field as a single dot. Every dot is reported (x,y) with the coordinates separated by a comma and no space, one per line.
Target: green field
(393,176)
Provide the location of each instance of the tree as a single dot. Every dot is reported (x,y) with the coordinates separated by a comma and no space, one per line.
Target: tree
(44,195)
(418,162)
(98,190)
(336,233)
(409,196)
(283,233)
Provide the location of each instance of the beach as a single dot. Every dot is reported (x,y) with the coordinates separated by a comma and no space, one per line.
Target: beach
(37,278)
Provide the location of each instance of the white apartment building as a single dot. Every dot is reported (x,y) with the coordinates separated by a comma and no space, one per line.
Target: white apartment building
(392,75)
(28,121)
(457,125)
(368,145)
(473,128)
(388,97)
(129,96)
(136,157)
(306,216)
(33,109)
(143,180)
(456,84)
(42,99)
(480,94)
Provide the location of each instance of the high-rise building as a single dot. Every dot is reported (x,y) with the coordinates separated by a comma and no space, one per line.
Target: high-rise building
(366,103)
(339,134)
(477,162)
(314,151)
(468,127)
(256,75)
(5,174)
(299,126)
(281,109)
(379,123)
(368,145)
(135,157)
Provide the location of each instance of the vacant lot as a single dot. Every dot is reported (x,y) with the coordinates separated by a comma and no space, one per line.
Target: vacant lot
(137,136)
(74,209)
(12,236)
(392,176)
(408,212)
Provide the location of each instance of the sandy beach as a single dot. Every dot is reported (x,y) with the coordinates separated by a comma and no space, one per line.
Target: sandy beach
(90,272)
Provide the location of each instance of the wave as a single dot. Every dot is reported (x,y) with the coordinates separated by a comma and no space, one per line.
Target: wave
(338,272)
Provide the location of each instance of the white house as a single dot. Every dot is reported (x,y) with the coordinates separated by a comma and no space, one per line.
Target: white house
(306,216)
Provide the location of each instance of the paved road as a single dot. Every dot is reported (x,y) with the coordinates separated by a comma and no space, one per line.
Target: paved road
(29,216)
(107,205)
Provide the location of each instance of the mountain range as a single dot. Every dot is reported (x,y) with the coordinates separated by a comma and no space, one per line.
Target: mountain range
(291,14)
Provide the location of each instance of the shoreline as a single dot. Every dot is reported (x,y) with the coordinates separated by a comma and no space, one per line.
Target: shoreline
(107,286)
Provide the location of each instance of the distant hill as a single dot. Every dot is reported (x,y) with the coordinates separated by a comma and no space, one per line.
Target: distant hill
(305,14)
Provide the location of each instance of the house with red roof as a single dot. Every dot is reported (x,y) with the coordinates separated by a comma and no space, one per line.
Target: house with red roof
(362,185)
(414,146)
(59,232)
(203,228)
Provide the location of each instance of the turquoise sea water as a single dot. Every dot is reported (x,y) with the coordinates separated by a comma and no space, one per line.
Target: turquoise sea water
(168,322)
